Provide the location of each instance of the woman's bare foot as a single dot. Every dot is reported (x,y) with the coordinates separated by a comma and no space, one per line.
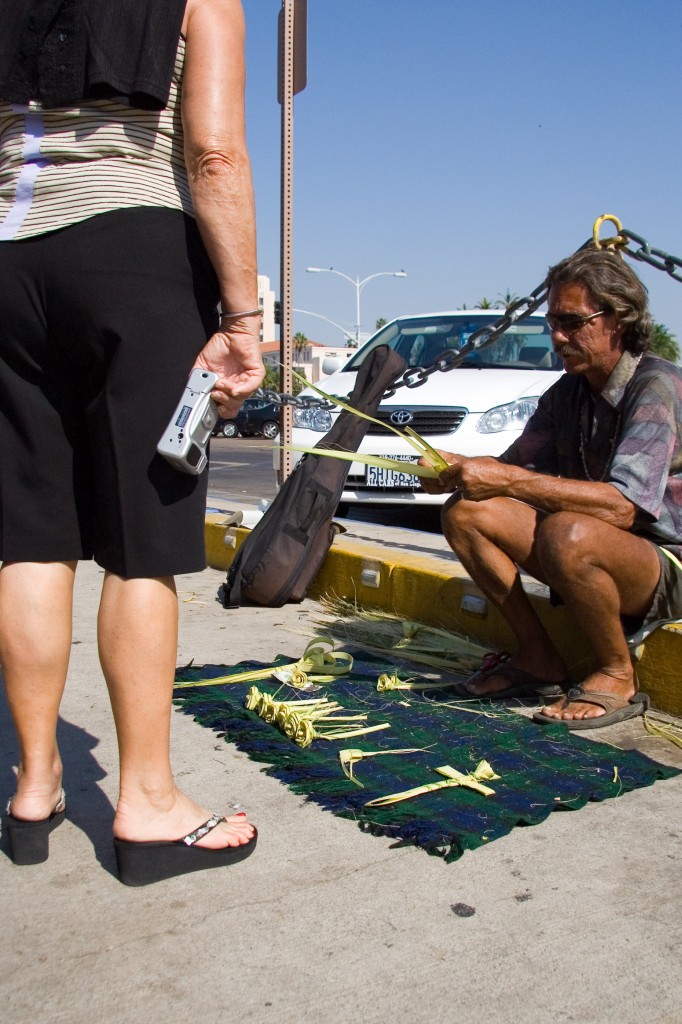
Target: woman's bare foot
(175,817)
(577,710)
(38,794)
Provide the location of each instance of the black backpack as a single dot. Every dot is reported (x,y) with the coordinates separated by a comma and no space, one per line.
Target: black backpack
(283,553)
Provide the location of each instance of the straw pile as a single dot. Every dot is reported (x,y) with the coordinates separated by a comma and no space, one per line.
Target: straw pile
(386,634)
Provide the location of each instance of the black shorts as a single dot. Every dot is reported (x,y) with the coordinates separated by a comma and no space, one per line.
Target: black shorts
(100,324)
(666,605)
(667,602)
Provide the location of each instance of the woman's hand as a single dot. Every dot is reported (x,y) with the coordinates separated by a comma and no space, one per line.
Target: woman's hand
(235,356)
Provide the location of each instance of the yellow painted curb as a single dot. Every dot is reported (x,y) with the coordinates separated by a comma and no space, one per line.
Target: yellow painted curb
(428,590)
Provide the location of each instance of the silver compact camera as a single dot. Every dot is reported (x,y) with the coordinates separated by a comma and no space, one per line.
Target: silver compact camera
(185,438)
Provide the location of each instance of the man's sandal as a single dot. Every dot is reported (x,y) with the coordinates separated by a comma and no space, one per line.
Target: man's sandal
(521,683)
(143,863)
(616,709)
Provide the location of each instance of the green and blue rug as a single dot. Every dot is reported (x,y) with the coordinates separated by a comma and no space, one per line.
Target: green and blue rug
(540,768)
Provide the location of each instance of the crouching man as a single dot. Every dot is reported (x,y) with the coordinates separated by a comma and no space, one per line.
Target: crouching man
(588,500)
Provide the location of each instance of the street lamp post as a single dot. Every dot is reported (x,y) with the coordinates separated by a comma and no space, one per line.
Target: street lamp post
(347,334)
(358,285)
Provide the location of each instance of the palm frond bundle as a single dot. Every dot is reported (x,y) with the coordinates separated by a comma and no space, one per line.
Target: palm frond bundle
(320,663)
(388,634)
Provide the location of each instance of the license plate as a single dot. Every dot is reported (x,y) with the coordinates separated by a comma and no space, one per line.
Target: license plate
(391,478)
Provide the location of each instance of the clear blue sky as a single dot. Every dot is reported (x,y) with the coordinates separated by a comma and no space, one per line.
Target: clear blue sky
(471,143)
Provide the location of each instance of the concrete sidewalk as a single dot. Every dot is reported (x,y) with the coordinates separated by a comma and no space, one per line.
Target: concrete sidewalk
(577,919)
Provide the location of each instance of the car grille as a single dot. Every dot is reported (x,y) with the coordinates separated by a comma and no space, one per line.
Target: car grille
(426,421)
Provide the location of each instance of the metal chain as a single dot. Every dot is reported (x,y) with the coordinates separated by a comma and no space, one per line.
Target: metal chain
(484,336)
(654,257)
(281,398)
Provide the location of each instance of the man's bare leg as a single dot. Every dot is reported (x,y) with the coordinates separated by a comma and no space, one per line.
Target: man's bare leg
(36,601)
(137,630)
(601,573)
(491,539)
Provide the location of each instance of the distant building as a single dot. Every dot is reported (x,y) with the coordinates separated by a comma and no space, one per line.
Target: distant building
(309,360)
(266,299)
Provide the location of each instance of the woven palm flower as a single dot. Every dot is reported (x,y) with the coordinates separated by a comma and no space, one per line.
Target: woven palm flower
(306,720)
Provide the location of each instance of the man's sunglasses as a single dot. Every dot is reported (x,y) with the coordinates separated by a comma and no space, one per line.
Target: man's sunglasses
(569,323)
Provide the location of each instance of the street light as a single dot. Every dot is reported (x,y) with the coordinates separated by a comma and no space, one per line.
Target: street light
(358,285)
(319,316)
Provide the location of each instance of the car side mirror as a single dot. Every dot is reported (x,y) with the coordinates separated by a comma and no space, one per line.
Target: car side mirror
(331,364)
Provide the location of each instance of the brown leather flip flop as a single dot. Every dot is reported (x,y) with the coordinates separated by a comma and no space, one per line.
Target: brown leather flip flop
(616,708)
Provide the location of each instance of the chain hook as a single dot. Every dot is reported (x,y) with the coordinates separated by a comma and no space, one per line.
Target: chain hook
(615,242)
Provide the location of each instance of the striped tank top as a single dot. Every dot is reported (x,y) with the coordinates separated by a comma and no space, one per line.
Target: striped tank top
(58,167)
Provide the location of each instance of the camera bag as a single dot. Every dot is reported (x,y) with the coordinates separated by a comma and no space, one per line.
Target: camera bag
(284,551)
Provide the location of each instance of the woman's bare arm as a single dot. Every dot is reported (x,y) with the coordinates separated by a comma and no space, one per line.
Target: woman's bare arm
(219,174)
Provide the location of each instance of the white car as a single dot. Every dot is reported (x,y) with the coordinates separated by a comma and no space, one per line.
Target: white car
(478,408)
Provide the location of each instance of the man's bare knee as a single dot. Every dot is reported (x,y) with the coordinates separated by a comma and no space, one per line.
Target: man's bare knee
(566,540)
(450,510)
(460,515)
(461,520)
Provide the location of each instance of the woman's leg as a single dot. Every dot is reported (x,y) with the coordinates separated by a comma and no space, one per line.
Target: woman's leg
(137,632)
(36,601)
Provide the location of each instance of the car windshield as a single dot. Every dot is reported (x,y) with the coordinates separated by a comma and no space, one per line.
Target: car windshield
(526,345)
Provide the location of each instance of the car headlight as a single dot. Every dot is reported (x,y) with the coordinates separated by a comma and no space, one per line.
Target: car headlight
(507,417)
(312,418)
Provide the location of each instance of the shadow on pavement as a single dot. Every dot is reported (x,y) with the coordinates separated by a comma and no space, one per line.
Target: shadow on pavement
(87,807)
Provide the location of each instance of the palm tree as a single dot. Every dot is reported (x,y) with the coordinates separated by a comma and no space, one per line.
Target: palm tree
(297,384)
(300,342)
(664,344)
(272,378)
(485,304)
(301,350)
(507,300)
(381,322)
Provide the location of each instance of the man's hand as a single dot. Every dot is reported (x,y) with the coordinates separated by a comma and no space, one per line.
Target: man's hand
(484,477)
(475,478)
(235,356)
(447,481)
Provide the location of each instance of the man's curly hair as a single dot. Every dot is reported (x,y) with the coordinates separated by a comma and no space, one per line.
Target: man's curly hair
(614,286)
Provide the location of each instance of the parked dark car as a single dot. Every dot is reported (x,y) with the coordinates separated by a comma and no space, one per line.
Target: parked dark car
(256,416)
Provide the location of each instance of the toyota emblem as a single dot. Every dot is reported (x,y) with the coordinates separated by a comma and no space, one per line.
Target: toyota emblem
(401,417)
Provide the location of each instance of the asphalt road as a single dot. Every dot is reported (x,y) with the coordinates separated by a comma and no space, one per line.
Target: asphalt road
(241,474)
